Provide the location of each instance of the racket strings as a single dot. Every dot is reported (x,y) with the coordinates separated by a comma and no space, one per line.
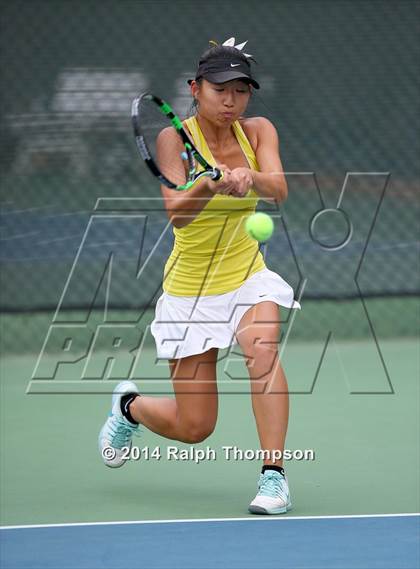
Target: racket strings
(174,166)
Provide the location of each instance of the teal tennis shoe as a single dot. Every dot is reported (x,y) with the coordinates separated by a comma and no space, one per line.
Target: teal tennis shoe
(273,494)
(116,435)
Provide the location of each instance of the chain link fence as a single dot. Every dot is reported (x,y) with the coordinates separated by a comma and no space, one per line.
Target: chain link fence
(339,80)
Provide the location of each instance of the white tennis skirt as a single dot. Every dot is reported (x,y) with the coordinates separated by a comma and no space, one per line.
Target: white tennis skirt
(189,325)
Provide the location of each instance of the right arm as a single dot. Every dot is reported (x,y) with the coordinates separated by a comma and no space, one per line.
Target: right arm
(182,207)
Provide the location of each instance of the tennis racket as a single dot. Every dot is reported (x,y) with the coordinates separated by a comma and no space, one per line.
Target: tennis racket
(149,116)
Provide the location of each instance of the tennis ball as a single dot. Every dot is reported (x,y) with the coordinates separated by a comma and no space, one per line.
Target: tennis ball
(259,226)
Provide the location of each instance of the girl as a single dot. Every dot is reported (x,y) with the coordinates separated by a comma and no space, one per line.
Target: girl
(217,289)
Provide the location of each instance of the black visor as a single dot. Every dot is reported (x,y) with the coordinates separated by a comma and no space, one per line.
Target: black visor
(225,68)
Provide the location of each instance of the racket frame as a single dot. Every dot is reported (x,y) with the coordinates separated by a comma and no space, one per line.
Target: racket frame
(192,154)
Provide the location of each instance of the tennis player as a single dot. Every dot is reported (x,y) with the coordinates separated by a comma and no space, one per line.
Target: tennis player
(217,290)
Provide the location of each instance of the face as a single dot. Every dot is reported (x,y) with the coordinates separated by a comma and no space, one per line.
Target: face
(221,103)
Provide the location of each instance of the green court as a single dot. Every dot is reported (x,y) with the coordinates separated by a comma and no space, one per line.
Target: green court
(51,470)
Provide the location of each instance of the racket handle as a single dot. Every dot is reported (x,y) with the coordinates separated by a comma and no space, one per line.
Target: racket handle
(217,174)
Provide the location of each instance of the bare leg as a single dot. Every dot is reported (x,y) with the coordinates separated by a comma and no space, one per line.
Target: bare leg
(192,415)
(258,334)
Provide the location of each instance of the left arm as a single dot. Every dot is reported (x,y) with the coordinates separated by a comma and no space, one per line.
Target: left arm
(270,182)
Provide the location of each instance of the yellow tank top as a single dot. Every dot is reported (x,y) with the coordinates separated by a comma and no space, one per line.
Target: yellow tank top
(213,254)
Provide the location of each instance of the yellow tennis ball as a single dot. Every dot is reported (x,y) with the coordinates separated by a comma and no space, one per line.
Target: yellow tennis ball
(259,226)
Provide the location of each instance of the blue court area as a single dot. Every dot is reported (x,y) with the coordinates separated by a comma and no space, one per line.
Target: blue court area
(294,543)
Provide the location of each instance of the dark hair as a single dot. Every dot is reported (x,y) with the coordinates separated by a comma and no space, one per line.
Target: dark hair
(194,103)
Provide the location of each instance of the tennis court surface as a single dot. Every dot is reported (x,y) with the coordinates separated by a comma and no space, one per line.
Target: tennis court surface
(365,448)
(295,543)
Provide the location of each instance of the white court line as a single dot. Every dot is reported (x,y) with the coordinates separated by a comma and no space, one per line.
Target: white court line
(204,520)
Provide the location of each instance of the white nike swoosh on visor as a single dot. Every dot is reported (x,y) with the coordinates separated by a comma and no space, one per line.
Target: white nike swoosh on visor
(234,64)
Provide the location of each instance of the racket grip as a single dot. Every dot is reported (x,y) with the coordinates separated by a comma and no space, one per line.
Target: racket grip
(217,174)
